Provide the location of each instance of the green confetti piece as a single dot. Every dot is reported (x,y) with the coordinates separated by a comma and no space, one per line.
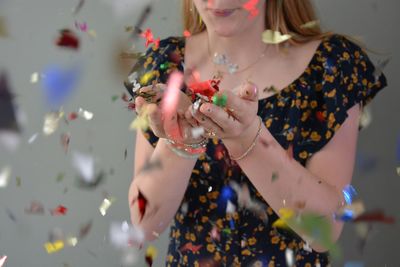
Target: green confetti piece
(275,176)
(114,98)
(18,181)
(60,177)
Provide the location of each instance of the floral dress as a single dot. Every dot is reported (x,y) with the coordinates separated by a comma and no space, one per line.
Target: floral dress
(303,117)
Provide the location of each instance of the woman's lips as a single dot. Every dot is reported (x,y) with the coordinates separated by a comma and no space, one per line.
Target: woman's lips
(223,12)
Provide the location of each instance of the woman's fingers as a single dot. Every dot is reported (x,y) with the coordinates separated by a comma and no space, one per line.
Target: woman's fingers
(155,119)
(219,116)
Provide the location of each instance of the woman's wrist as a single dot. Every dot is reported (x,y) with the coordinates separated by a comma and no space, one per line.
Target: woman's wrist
(188,151)
(242,145)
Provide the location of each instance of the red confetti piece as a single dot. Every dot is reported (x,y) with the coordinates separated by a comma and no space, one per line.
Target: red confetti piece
(375,216)
(148,35)
(250,6)
(142,204)
(72,116)
(187,33)
(190,247)
(60,210)
(68,39)
(206,88)
(320,116)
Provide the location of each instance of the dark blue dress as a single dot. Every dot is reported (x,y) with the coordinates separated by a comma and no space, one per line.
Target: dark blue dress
(305,115)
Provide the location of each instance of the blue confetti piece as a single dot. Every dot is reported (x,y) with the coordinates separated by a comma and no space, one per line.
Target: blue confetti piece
(59,83)
(398,149)
(349,192)
(354,264)
(232,224)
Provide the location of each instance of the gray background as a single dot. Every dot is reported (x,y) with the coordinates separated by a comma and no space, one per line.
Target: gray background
(33,25)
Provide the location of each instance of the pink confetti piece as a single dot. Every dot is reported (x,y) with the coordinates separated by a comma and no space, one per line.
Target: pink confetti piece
(3,260)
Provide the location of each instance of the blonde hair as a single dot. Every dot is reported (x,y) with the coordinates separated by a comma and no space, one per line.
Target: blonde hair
(286,16)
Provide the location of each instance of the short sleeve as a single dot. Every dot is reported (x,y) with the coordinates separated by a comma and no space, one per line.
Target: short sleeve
(156,65)
(348,77)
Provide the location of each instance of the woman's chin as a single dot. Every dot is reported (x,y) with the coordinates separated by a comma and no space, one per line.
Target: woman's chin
(225,31)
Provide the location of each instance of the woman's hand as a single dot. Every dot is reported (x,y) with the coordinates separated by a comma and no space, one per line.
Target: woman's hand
(232,122)
(161,127)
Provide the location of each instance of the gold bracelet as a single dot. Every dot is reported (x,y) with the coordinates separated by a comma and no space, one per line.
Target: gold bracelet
(252,144)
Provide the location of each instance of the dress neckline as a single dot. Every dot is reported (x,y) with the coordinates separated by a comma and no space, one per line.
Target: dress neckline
(295,82)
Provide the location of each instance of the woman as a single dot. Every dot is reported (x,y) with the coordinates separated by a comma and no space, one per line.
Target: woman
(290,148)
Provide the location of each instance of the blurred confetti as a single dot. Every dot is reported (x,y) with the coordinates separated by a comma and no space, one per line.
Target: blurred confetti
(123,234)
(35,208)
(67,39)
(3,27)
(78,7)
(58,211)
(8,120)
(2,260)
(289,255)
(105,205)
(274,37)
(311,24)
(4,176)
(251,7)
(54,247)
(151,254)
(59,82)
(51,121)
(149,37)
(85,229)
(348,193)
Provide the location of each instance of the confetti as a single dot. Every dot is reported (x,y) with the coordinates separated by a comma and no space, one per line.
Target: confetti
(123,234)
(365,118)
(275,176)
(85,229)
(58,211)
(78,7)
(81,26)
(51,121)
(67,39)
(85,114)
(8,120)
(142,18)
(142,204)
(375,216)
(4,176)
(151,254)
(148,35)
(398,170)
(350,211)
(348,193)
(289,255)
(84,164)
(190,247)
(34,77)
(33,138)
(220,100)
(197,132)
(353,264)
(65,140)
(35,208)
(381,64)
(251,7)
(54,247)
(105,205)
(11,215)
(186,33)
(59,83)
(2,258)
(274,37)
(311,24)
(3,27)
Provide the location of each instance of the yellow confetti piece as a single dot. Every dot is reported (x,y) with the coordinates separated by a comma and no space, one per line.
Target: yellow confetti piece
(398,171)
(146,77)
(4,176)
(151,251)
(92,33)
(54,247)
(274,37)
(310,24)
(105,205)
(285,214)
(34,77)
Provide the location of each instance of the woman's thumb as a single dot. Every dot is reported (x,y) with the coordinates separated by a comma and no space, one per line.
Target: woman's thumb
(249,91)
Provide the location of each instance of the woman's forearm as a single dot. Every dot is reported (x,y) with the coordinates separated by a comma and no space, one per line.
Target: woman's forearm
(163,189)
(293,186)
